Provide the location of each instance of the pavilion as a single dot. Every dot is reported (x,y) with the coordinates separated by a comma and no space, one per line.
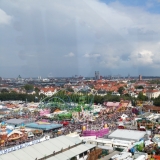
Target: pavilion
(124,134)
(61,147)
(45,126)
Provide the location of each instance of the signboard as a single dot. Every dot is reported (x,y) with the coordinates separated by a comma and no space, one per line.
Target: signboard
(24,145)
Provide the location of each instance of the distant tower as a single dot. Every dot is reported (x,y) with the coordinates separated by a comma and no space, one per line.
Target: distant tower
(19,78)
(97,75)
(128,76)
(140,77)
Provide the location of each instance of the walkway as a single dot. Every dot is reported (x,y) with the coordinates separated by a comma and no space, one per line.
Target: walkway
(109,156)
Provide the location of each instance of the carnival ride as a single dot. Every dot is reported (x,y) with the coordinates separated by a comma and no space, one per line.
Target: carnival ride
(70,101)
(59,100)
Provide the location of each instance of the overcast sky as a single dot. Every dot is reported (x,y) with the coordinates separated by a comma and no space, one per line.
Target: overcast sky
(78,37)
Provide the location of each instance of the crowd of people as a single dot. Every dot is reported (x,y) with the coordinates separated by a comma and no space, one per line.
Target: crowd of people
(99,122)
(87,119)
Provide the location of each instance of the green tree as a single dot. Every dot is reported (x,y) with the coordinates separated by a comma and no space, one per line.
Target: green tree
(78,109)
(70,89)
(139,87)
(156,81)
(4,91)
(109,92)
(127,95)
(28,87)
(13,92)
(120,90)
(156,101)
(36,89)
(142,97)
(19,96)
(98,99)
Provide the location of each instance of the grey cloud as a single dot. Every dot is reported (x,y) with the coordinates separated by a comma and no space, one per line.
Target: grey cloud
(141,31)
(42,33)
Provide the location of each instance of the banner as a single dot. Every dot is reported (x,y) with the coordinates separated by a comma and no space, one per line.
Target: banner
(24,145)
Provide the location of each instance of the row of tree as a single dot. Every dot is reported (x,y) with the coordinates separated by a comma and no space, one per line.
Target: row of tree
(22,97)
(27,88)
(77,98)
(86,98)
(156,101)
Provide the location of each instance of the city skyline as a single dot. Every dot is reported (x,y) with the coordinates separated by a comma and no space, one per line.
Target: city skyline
(93,77)
(66,38)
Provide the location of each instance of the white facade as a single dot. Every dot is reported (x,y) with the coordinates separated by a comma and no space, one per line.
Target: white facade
(48,93)
(153,94)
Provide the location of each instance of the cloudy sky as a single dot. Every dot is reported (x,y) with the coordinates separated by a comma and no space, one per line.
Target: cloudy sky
(78,37)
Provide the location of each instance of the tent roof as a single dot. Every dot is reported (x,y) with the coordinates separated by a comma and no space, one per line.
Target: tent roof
(15,121)
(73,152)
(44,126)
(127,134)
(42,149)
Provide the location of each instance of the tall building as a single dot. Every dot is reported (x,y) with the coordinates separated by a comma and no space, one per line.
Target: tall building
(128,76)
(140,77)
(97,75)
(19,78)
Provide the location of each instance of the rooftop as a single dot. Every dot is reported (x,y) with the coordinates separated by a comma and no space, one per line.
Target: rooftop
(15,121)
(127,134)
(46,148)
(43,126)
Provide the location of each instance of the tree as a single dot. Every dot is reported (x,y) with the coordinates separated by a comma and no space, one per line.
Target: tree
(28,87)
(142,97)
(109,92)
(156,101)
(4,91)
(120,90)
(156,81)
(78,109)
(13,92)
(139,87)
(127,95)
(98,99)
(70,89)
(36,90)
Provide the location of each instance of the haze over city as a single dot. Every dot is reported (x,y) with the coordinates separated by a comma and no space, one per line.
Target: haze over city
(63,38)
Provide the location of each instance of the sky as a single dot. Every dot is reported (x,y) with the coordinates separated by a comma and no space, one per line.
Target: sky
(63,38)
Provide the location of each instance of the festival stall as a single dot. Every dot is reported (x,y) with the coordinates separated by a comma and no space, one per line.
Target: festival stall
(145,122)
(65,123)
(44,112)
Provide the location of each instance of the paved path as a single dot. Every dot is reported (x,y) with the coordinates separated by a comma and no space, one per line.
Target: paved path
(109,156)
